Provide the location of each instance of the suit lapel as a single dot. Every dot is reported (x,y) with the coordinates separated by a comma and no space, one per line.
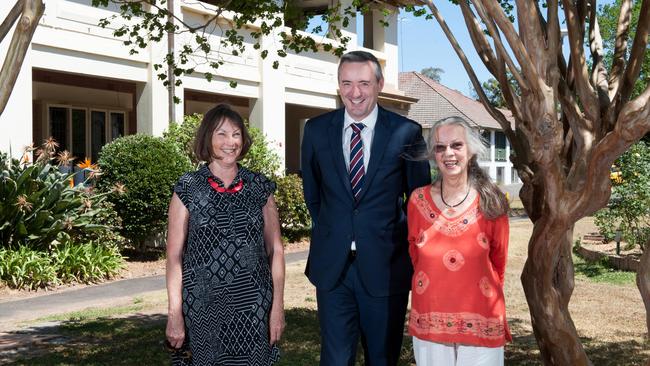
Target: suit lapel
(336,140)
(379,142)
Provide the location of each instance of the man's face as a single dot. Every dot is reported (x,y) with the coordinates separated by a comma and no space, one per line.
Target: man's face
(359,88)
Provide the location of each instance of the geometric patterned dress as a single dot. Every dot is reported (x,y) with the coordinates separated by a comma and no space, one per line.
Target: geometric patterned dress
(459,268)
(227,284)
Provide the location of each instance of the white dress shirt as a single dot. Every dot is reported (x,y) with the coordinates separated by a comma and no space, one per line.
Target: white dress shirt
(366,137)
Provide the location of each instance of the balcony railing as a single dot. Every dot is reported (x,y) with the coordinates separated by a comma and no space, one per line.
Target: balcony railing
(500,154)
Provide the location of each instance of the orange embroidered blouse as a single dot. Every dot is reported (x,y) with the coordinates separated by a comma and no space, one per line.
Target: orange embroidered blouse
(459,268)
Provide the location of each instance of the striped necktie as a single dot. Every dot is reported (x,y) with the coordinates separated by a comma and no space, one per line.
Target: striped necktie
(357,171)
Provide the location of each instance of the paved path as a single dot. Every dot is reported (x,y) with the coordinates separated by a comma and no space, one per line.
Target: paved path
(101,295)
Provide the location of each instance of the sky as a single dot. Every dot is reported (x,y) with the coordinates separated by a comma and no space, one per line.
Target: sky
(423,44)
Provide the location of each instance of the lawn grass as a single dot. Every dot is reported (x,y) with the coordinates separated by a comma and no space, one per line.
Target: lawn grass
(602,273)
(137,340)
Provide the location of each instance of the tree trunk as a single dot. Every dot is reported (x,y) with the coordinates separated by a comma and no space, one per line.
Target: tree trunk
(547,279)
(643,283)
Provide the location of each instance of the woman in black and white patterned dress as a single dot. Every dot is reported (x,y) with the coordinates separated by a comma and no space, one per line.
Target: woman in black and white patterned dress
(225,260)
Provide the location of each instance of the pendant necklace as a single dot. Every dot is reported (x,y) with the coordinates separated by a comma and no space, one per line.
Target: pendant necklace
(451,208)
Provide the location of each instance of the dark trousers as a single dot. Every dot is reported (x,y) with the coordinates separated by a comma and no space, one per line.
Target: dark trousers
(348,311)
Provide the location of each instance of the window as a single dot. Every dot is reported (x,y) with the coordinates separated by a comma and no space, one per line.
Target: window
(500,146)
(84,132)
(514,176)
(58,117)
(485,135)
(500,175)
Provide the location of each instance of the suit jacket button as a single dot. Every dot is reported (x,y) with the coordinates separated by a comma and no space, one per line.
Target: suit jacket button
(356,212)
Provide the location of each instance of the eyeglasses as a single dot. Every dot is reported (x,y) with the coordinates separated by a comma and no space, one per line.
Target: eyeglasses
(440,148)
(182,352)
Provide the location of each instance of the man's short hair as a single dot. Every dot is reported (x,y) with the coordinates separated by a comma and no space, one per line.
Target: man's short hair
(362,56)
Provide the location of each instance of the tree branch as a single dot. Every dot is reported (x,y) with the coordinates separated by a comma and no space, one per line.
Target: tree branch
(620,46)
(31,13)
(598,72)
(495,11)
(512,100)
(583,87)
(477,36)
(10,19)
(637,54)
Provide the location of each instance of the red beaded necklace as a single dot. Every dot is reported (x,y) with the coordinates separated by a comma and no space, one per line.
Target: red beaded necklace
(238,187)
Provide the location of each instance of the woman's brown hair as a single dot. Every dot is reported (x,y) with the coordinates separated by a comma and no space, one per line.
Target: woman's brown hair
(212,120)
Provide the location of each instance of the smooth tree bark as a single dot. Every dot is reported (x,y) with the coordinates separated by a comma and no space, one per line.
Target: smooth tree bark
(27,13)
(572,119)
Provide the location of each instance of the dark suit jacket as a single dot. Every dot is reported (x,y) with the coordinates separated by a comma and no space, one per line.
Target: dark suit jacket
(377,222)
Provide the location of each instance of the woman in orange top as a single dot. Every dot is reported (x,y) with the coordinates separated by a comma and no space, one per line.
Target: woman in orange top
(458,241)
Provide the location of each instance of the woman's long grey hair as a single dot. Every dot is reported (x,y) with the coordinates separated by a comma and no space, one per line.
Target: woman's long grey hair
(493,202)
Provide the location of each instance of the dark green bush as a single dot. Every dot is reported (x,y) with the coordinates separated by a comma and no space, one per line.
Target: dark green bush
(628,210)
(38,204)
(294,216)
(182,135)
(147,167)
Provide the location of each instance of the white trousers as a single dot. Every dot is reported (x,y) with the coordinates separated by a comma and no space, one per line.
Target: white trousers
(453,354)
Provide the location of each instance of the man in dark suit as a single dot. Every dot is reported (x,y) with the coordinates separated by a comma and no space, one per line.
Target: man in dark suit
(357,175)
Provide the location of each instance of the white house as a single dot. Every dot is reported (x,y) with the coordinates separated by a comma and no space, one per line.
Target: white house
(79,84)
(436,101)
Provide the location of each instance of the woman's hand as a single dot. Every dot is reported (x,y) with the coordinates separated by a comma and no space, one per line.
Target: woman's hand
(175,331)
(276,324)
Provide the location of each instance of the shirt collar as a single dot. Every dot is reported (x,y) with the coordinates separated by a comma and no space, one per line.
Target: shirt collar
(369,121)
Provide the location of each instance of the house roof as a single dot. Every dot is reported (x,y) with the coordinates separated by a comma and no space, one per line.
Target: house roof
(436,102)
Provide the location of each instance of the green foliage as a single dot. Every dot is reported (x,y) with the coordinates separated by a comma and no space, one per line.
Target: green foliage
(182,135)
(26,268)
(38,205)
(86,263)
(108,218)
(261,157)
(629,207)
(148,167)
(294,216)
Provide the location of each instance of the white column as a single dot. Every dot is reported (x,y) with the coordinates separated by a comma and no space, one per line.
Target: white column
(493,167)
(385,40)
(152,98)
(16,119)
(268,110)
(507,178)
(351,30)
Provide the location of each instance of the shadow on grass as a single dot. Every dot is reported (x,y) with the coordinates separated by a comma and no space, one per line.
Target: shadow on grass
(523,350)
(137,340)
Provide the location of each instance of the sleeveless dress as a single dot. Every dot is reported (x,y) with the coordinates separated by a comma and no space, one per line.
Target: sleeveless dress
(227,284)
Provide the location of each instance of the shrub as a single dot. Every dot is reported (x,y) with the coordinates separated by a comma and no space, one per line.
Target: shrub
(629,207)
(182,135)
(89,262)
(294,216)
(260,158)
(26,268)
(147,167)
(38,204)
